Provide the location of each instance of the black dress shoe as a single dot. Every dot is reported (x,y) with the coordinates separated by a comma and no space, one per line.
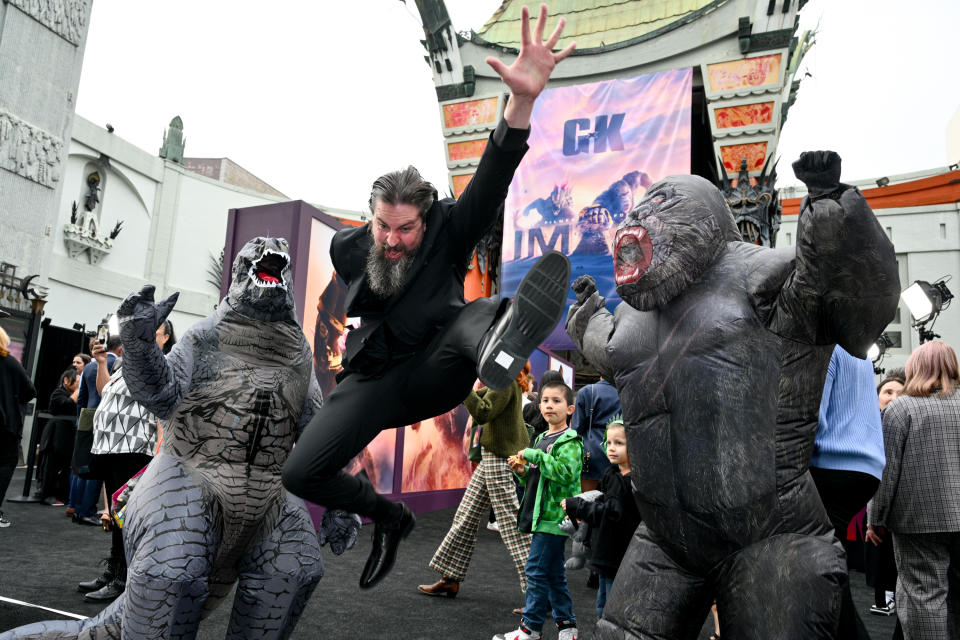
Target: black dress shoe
(102,580)
(89,520)
(110,591)
(386,540)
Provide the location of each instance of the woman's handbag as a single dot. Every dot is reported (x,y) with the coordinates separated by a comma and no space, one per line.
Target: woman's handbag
(84,464)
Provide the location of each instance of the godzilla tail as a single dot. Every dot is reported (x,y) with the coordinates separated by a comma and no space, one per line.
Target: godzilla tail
(104,626)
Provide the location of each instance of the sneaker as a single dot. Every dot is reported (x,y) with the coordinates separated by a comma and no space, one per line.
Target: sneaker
(567,630)
(493,526)
(568,633)
(533,313)
(887,610)
(518,634)
(3,520)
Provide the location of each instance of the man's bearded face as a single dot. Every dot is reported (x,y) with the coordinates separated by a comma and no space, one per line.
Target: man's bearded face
(397,231)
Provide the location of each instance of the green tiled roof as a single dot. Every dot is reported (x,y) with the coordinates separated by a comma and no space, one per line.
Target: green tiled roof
(592,23)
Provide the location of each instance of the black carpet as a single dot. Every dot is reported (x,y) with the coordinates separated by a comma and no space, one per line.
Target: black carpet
(43,555)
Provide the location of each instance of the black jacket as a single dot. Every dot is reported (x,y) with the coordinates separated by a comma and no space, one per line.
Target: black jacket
(613,517)
(434,286)
(60,432)
(15,390)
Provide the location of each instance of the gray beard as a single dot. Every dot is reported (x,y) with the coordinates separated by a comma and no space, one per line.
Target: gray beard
(386,277)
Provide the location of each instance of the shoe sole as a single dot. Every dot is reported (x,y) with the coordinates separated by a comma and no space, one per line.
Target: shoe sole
(540,300)
(438,594)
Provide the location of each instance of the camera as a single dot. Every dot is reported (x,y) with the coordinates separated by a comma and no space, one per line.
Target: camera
(103,334)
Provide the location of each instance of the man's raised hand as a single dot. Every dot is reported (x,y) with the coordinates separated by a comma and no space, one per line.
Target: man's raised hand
(528,74)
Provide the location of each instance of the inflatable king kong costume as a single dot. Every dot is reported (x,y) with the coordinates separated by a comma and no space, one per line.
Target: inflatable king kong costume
(210,510)
(719,353)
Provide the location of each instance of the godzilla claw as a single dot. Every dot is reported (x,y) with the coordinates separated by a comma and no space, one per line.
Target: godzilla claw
(140,316)
(340,529)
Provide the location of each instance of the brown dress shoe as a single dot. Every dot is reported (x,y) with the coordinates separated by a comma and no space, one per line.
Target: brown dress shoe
(443,587)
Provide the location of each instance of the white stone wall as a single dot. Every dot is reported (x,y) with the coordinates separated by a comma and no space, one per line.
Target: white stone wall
(173,220)
(39,75)
(927,241)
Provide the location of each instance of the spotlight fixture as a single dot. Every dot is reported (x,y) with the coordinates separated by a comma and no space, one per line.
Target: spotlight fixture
(877,351)
(884,181)
(925,302)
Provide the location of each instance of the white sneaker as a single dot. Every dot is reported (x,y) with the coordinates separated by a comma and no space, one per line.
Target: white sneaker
(3,520)
(518,634)
(493,526)
(570,633)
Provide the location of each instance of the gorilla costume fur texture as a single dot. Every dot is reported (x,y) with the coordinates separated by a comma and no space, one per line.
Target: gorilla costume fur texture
(719,353)
(210,510)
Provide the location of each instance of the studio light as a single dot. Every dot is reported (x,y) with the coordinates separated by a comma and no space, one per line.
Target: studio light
(884,181)
(925,302)
(877,351)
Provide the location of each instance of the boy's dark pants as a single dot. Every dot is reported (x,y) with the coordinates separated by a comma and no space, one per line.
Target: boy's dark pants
(360,407)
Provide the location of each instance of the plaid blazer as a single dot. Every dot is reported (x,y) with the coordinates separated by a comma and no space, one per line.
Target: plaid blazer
(920,489)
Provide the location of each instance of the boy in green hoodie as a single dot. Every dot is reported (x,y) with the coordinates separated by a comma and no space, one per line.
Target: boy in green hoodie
(550,470)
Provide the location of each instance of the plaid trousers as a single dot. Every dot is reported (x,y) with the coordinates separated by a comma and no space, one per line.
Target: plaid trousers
(491,483)
(928,584)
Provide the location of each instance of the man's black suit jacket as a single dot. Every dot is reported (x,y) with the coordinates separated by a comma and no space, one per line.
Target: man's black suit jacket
(433,292)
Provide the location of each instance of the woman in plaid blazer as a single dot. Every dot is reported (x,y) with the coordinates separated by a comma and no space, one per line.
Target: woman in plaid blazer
(919,496)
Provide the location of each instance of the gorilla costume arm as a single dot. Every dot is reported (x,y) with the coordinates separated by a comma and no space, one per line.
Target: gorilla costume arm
(841,247)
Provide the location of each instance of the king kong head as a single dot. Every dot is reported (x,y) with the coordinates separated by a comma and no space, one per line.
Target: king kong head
(670,239)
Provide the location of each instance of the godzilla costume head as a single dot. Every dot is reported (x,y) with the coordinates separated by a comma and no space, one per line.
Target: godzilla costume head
(670,239)
(262,286)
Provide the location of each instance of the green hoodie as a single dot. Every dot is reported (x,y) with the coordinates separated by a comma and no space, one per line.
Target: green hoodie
(559,479)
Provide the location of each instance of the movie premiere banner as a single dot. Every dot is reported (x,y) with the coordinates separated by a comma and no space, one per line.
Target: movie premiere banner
(594,150)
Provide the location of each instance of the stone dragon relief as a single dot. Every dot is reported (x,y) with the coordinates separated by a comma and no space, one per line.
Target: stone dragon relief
(66,18)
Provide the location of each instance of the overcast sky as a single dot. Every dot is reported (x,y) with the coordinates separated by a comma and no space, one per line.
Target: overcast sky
(319,98)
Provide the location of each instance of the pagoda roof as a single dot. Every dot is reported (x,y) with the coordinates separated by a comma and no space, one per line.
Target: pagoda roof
(595,24)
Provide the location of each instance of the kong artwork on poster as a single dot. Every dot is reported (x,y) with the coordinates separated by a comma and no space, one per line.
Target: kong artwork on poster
(594,150)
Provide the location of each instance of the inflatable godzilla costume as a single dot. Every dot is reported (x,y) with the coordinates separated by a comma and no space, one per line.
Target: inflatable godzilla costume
(210,509)
(719,354)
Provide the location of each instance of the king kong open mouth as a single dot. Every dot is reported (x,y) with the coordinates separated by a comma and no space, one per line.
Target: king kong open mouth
(633,254)
(268,270)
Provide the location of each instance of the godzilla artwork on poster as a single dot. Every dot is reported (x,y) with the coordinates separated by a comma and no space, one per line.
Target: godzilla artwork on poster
(594,150)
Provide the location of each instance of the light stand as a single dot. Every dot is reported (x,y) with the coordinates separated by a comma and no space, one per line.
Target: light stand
(925,302)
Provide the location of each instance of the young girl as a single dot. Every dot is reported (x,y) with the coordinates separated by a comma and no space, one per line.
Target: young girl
(613,517)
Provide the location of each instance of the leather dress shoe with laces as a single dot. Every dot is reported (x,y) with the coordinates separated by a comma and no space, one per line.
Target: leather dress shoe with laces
(110,591)
(386,540)
(442,587)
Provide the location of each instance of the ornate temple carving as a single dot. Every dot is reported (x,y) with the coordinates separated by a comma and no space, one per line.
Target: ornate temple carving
(29,151)
(66,18)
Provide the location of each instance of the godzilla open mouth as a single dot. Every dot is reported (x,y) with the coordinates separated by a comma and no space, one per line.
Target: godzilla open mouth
(268,270)
(633,252)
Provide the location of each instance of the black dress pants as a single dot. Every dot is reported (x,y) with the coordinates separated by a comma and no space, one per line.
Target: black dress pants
(844,494)
(118,468)
(428,384)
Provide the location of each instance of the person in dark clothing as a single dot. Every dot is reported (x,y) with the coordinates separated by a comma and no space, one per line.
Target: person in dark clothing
(597,404)
(613,517)
(16,390)
(419,347)
(56,444)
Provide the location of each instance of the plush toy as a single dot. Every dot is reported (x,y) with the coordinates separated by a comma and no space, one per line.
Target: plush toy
(210,510)
(719,352)
(579,533)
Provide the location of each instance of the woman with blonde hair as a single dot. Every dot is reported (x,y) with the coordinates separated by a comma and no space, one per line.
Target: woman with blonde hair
(919,495)
(16,389)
